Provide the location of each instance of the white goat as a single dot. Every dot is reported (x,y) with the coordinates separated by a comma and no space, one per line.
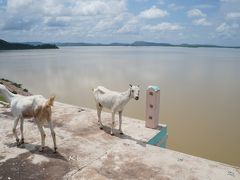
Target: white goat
(35,106)
(115,101)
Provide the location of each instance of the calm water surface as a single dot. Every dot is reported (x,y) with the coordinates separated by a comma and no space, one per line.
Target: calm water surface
(200,88)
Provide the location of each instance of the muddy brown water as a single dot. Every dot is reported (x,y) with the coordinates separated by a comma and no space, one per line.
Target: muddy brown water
(200,88)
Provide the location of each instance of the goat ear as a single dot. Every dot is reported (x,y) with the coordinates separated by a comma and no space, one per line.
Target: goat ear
(130,85)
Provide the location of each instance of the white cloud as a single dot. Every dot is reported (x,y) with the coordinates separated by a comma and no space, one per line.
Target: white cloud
(165,26)
(113,20)
(104,24)
(175,7)
(57,21)
(153,13)
(233,15)
(228,30)
(62,20)
(161,2)
(131,26)
(108,24)
(228,1)
(39,15)
(201,22)
(204,6)
(223,27)
(195,13)
(98,7)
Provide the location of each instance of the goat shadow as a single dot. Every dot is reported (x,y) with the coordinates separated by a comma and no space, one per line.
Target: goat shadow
(34,149)
(8,116)
(107,130)
(7,113)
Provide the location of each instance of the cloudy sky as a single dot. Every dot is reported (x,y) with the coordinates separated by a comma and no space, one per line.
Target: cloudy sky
(172,21)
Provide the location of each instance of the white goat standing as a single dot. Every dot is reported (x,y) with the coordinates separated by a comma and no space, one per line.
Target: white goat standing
(35,106)
(115,101)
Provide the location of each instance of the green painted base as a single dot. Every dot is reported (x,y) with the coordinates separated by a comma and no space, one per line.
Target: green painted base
(160,139)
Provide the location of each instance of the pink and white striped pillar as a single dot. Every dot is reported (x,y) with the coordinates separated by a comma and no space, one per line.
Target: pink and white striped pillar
(152,107)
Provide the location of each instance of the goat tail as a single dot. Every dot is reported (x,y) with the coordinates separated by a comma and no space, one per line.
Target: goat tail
(43,111)
(50,101)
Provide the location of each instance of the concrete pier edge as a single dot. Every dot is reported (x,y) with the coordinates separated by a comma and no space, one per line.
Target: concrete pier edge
(87,152)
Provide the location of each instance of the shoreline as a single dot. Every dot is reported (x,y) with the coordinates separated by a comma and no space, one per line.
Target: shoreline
(14,87)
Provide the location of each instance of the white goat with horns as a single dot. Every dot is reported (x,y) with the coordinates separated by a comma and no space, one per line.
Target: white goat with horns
(35,106)
(115,101)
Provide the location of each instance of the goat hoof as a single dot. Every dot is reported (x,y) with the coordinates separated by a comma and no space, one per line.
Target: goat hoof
(112,134)
(41,149)
(121,133)
(55,150)
(22,141)
(101,127)
(18,143)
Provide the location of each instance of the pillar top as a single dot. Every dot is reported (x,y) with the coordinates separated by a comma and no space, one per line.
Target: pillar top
(155,88)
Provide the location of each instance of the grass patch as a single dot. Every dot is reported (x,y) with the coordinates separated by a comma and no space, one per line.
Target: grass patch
(2,99)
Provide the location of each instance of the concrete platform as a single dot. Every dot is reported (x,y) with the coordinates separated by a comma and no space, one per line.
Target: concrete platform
(86,152)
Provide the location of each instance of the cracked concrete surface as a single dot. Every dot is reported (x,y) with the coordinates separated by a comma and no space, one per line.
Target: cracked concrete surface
(86,152)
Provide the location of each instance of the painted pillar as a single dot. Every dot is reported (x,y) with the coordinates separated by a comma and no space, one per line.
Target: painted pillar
(152,106)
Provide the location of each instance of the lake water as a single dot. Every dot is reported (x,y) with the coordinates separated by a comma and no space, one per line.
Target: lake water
(200,88)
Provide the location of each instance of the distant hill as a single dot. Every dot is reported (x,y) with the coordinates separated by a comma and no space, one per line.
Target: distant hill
(78,44)
(33,43)
(144,43)
(4,45)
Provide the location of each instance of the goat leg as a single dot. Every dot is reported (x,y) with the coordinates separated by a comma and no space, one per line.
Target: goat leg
(113,122)
(53,134)
(120,122)
(99,110)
